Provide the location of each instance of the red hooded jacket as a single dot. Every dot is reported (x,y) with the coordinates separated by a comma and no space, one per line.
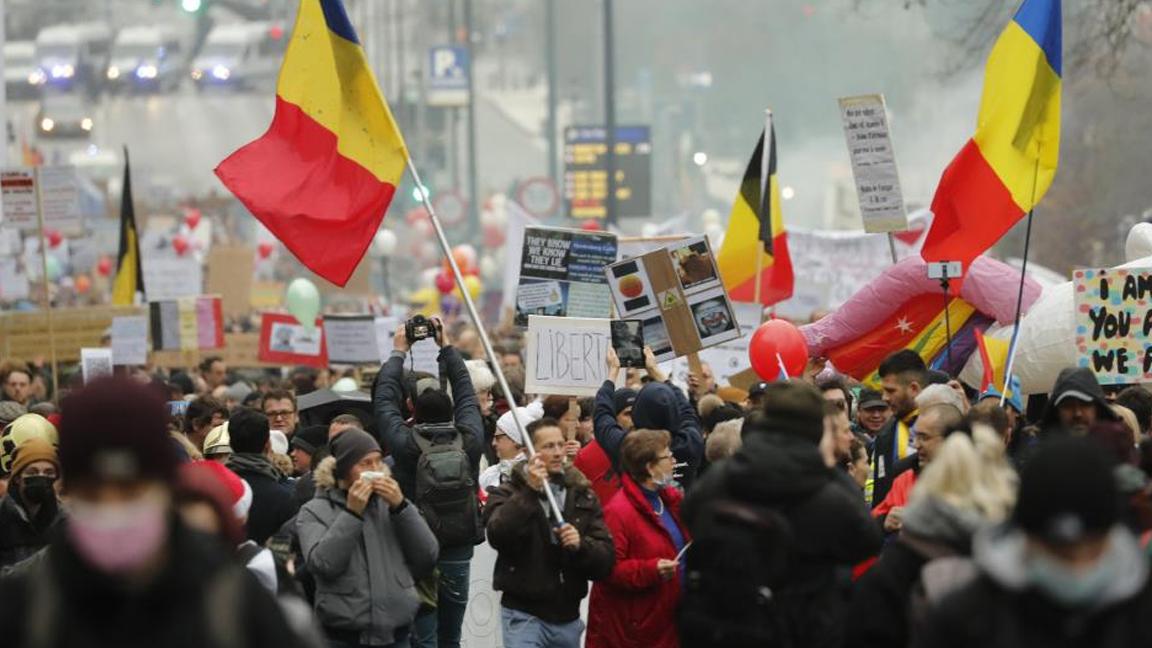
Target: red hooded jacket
(634,606)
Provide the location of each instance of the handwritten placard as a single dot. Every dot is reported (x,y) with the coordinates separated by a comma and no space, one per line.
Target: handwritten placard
(130,340)
(1113,322)
(566,355)
(352,339)
(873,163)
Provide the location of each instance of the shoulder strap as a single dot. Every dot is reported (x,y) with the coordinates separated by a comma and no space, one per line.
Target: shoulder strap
(421,435)
(222,600)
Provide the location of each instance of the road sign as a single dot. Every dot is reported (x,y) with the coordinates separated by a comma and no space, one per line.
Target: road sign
(586,174)
(450,207)
(59,197)
(538,196)
(447,76)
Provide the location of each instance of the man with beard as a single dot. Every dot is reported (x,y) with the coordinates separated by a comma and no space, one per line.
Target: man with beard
(1076,403)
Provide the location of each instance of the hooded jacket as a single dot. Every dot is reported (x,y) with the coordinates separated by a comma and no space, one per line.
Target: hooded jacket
(1080,379)
(536,575)
(658,406)
(22,535)
(1003,608)
(273,501)
(365,567)
(831,525)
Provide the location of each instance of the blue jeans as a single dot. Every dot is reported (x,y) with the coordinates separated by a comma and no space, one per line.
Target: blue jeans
(441,628)
(522,630)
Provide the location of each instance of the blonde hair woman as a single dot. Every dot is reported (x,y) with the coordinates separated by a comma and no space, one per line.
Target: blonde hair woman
(969,484)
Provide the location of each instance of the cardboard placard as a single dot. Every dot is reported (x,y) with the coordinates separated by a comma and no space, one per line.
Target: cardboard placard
(171,277)
(266,295)
(566,355)
(1113,322)
(873,163)
(562,273)
(25,335)
(230,272)
(284,341)
(241,350)
(727,359)
(677,292)
(130,340)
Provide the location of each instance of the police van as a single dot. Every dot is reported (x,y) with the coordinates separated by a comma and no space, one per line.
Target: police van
(72,57)
(146,59)
(240,55)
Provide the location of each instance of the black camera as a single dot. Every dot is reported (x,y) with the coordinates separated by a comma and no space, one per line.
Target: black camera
(419,328)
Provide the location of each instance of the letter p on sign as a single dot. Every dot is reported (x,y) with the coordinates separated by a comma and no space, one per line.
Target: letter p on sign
(444,64)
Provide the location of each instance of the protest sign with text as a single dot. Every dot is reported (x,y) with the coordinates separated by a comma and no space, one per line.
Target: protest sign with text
(562,273)
(1113,323)
(566,355)
(873,163)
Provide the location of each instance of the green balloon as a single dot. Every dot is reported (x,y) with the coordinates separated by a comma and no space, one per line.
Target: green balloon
(53,268)
(303,302)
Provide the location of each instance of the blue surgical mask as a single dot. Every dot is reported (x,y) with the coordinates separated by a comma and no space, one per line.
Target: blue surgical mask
(1072,588)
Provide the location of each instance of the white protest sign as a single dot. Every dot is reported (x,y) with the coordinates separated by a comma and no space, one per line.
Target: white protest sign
(95,363)
(873,163)
(385,329)
(351,339)
(13,282)
(130,340)
(18,195)
(566,355)
(60,199)
(172,277)
(425,356)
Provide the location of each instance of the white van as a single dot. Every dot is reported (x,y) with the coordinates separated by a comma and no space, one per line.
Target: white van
(146,58)
(241,55)
(19,68)
(72,57)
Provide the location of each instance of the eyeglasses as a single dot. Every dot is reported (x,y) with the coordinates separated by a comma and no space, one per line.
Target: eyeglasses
(279,413)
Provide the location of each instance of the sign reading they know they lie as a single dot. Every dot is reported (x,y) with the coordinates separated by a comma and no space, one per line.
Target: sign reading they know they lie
(1114,323)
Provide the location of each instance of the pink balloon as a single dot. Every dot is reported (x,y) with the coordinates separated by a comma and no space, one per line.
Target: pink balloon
(774,342)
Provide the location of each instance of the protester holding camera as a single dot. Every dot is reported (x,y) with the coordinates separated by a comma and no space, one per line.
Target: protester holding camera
(437,465)
(365,544)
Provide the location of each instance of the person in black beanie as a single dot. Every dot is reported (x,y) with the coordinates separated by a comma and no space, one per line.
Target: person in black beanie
(779,468)
(309,447)
(123,570)
(1063,572)
(273,501)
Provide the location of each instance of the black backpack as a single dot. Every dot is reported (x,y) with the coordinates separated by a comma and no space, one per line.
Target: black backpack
(735,571)
(445,489)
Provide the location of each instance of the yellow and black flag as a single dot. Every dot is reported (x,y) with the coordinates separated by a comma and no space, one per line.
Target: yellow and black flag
(754,259)
(129,274)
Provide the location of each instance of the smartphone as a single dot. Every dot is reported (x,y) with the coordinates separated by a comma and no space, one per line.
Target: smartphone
(628,342)
(177,407)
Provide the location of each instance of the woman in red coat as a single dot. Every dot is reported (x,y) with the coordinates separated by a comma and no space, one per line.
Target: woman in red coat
(636,605)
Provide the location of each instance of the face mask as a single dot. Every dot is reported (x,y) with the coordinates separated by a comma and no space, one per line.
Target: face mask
(118,538)
(1072,588)
(38,490)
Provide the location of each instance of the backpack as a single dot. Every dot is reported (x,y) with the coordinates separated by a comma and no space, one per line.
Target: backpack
(735,570)
(446,492)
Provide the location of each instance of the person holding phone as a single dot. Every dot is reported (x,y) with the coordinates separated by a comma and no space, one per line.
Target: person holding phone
(365,544)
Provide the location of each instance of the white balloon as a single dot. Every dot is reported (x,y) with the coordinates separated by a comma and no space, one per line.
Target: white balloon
(384,243)
(488,266)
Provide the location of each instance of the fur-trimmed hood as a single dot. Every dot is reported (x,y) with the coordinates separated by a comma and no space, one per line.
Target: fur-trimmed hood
(324,475)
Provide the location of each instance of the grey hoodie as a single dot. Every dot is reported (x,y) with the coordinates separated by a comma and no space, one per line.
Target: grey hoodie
(365,569)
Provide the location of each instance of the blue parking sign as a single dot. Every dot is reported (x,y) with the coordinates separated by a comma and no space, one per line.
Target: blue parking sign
(447,75)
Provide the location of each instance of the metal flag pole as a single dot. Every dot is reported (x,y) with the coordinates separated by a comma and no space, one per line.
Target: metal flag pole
(1011,364)
(472,312)
(47,284)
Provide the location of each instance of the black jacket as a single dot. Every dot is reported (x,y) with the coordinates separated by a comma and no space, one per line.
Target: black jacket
(884,459)
(536,574)
(1080,379)
(199,596)
(273,502)
(387,396)
(658,406)
(831,525)
(21,535)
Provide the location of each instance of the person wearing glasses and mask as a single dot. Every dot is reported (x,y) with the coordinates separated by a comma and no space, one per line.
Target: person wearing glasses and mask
(636,605)
(31,509)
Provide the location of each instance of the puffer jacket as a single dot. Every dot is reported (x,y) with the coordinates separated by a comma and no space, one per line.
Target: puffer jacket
(536,575)
(365,568)
(634,607)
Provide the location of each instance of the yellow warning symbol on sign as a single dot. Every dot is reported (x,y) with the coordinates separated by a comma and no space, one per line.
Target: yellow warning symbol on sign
(669,299)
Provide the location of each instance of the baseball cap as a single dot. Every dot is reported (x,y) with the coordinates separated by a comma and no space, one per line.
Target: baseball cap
(1074,393)
(870,398)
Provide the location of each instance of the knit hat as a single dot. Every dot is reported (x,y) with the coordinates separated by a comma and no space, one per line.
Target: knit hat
(10,411)
(794,408)
(622,399)
(116,429)
(349,447)
(311,438)
(508,426)
(1067,491)
(31,451)
(218,441)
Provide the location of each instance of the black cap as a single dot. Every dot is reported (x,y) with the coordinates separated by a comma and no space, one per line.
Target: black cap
(1067,492)
(870,398)
(622,399)
(311,438)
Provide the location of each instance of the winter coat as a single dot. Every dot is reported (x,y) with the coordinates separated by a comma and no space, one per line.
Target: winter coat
(1002,608)
(388,393)
(886,456)
(366,567)
(831,526)
(200,599)
(597,467)
(658,406)
(1079,379)
(20,535)
(536,575)
(878,616)
(634,607)
(901,489)
(273,501)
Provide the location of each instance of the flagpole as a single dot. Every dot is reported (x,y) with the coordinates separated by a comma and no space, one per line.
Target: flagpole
(44,280)
(472,312)
(1020,293)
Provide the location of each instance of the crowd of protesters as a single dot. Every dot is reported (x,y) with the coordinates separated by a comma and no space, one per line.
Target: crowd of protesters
(204,508)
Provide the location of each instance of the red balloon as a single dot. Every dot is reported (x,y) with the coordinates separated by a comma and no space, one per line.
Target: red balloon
(776,341)
(265,250)
(591,226)
(104,266)
(55,238)
(180,244)
(192,217)
(445,283)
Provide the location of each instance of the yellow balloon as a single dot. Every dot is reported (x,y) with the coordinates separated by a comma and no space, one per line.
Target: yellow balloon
(474,287)
(425,301)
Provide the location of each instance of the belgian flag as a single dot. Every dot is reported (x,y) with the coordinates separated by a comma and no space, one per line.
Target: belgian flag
(129,274)
(756,229)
